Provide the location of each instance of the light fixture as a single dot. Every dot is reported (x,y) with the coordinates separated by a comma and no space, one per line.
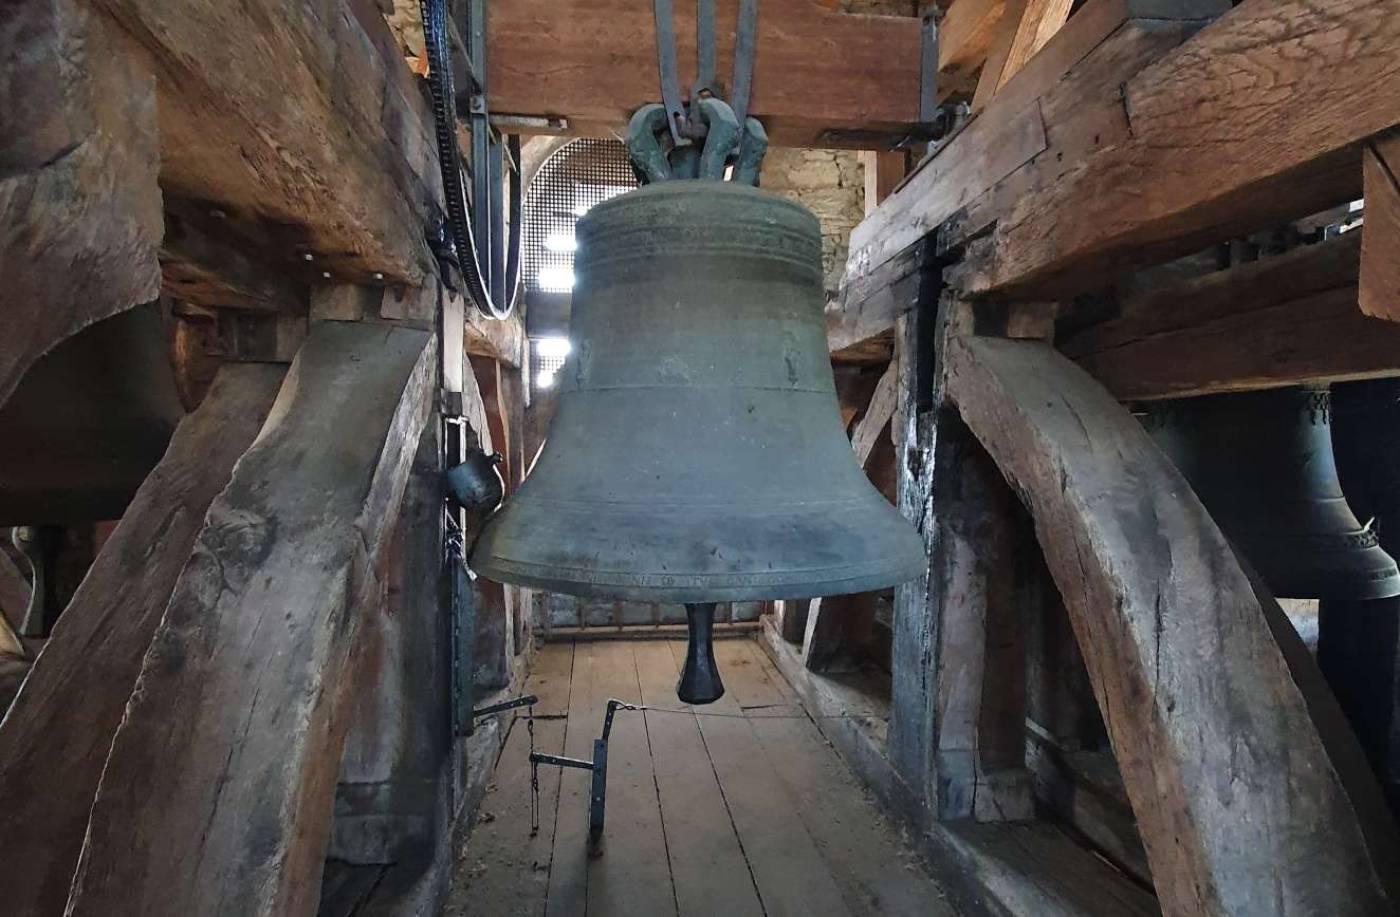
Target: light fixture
(545,380)
(560,242)
(553,347)
(556,278)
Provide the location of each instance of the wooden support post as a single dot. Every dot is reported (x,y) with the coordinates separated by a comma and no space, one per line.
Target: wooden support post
(54,743)
(884,169)
(914,636)
(792,619)
(1380,246)
(392,804)
(1229,757)
(979,657)
(239,714)
(80,210)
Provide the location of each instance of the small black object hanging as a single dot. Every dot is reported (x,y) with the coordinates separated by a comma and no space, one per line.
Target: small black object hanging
(699,682)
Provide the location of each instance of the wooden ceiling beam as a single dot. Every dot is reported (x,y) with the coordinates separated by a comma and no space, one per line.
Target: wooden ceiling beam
(1297,311)
(303,127)
(821,78)
(1062,105)
(1258,119)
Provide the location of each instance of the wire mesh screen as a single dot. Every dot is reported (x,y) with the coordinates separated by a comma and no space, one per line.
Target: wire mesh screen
(547,362)
(580,174)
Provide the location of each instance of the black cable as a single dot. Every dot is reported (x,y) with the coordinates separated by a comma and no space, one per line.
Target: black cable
(435,38)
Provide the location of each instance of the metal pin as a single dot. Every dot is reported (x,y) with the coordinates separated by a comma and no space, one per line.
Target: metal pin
(378,275)
(326,274)
(308,257)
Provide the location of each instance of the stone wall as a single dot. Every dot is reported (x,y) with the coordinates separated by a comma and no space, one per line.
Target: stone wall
(830,183)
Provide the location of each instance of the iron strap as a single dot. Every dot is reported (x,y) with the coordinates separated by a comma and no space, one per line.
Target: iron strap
(670,74)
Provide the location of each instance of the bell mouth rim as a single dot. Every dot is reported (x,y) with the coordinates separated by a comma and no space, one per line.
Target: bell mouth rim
(704,587)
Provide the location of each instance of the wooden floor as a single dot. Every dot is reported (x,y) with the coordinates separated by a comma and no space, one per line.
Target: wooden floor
(744,812)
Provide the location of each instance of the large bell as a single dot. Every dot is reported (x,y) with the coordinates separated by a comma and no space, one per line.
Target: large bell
(696,454)
(1262,464)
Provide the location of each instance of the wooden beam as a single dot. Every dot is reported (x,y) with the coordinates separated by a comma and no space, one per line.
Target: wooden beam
(501,340)
(1297,311)
(821,78)
(1064,104)
(860,327)
(1145,581)
(1258,119)
(80,213)
(198,267)
(1380,249)
(965,36)
(54,743)
(1024,28)
(884,170)
(312,139)
(877,414)
(239,713)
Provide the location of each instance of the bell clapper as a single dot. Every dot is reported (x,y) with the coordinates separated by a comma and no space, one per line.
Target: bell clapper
(699,681)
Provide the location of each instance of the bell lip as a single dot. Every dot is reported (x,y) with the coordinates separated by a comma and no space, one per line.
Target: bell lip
(895,574)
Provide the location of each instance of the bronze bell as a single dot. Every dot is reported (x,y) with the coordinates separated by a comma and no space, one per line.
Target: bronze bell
(696,454)
(1262,464)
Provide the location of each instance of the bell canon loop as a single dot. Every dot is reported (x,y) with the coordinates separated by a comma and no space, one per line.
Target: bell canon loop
(696,453)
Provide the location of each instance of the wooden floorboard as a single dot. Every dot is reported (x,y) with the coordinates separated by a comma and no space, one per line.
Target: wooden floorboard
(748,812)
(502,862)
(568,870)
(633,875)
(790,873)
(701,840)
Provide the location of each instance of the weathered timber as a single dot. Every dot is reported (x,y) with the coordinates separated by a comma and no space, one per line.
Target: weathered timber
(914,631)
(860,323)
(393,801)
(1380,247)
(199,267)
(978,662)
(80,210)
(239,714)
(90,664)
(1146,581)
(965,36)
(877,414)
(1064,104)
(1025,27)
(1298,311)
(821,78)
(1260,118)
(313,139)
(503,341)
(883,171)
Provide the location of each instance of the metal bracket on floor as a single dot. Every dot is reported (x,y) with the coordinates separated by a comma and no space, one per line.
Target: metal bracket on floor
(598,794)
